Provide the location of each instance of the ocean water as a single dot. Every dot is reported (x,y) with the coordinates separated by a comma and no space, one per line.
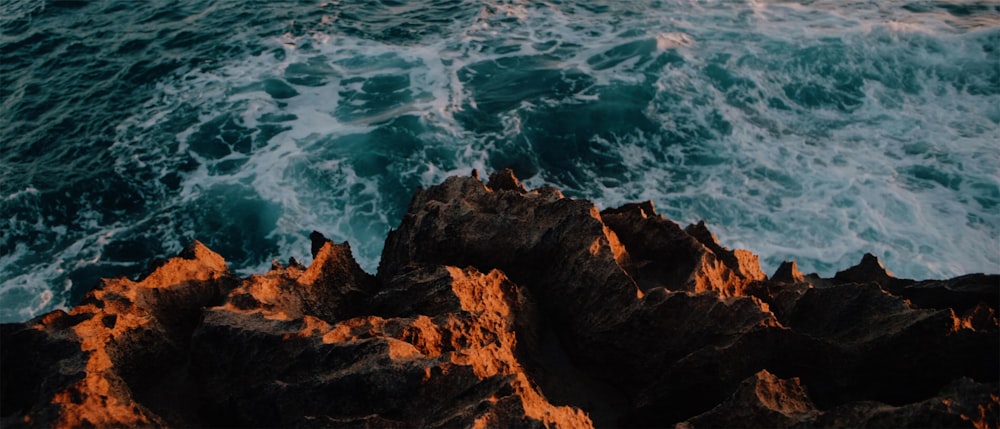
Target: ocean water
(813,130)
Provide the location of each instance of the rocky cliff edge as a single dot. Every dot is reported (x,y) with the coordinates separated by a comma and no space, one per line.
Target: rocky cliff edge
(496,306)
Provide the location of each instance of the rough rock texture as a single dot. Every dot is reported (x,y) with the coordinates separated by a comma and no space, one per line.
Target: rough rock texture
(498,306)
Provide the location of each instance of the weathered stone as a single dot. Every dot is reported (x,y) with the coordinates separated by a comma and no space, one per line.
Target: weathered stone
(105,357)
(788,272)
(664,255)
(763,400)
(496,306)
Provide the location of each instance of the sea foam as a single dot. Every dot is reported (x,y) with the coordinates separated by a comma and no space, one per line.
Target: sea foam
(813,132)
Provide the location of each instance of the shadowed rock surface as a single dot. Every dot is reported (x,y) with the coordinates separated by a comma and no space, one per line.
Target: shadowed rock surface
(498,306)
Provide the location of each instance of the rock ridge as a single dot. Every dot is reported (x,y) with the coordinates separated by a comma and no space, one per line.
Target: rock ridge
(499,306)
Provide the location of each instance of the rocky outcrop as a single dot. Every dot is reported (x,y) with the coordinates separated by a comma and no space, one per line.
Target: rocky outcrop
(97,364)
(765,400)
(499,306)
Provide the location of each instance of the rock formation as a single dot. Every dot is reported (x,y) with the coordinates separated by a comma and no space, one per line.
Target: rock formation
(496,306)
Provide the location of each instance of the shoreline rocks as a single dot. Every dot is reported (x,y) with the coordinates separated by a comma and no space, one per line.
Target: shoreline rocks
(499,306)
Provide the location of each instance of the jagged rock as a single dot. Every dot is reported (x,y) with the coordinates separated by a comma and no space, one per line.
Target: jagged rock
(962,403)
(876,329)
(440,352)
(463,222)
(496,306)
(870,269)
(103,358)
(787,285)
(788,272)
(333,287)
(743,262)
(664,255)
(763,400)
(962,294)
(504,180)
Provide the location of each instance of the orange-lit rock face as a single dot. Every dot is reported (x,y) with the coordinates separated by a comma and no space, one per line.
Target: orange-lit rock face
(114,328)
(498,306)
(434,333)
(664,255)
(101,398)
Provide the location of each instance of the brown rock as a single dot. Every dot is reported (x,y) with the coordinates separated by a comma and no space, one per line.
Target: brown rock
(744,263)
(788,272)
(767,401)
(960,293)
(465,223)
(504,180)
(117,344)
(495,306)
(762,400)
(441,354)
(664,255)
(870,269)
(962,403)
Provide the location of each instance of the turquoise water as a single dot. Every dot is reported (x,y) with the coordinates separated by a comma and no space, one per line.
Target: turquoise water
(808,130)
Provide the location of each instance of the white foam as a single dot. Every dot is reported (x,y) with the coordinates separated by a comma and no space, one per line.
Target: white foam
(915,230)
(672,40)
(22,295)
(27,288)
(814,184)
(836,182)
(26,192)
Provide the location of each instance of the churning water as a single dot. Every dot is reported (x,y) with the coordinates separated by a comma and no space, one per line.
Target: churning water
(813,130)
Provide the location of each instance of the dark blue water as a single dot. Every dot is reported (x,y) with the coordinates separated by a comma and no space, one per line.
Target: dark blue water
(812,130)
